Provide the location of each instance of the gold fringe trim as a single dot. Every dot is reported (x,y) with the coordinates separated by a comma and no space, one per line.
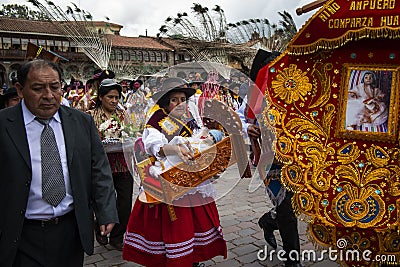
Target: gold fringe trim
(310,237)
(355,35)
(319,246)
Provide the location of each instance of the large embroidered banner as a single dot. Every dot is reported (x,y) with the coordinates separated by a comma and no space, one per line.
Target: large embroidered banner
(334,97)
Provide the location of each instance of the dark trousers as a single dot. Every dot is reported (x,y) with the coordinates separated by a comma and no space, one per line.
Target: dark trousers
(123,183)
(286,223)
(48,245)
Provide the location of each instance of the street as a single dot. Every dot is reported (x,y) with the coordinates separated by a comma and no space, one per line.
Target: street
(239,211)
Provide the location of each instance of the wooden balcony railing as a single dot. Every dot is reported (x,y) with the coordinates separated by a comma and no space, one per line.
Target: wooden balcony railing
(17,54)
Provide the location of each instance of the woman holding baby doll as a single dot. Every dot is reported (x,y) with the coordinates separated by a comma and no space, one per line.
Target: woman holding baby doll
(367,109)
(152,237)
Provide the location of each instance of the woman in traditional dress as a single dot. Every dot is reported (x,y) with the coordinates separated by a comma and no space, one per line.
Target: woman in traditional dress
(366,106)
(109,119)
(153,237)
(136,103)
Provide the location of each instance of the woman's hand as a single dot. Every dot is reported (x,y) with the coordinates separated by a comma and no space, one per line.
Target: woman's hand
(181,150)
(185,153)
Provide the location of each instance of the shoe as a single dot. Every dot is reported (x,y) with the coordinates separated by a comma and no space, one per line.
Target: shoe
(196,264)
(117,245)
(268,234)
(101,239)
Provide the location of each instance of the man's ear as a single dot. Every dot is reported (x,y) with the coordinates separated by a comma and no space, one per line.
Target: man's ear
(19,89)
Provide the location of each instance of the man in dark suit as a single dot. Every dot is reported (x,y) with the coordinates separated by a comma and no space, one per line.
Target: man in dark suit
(35,231)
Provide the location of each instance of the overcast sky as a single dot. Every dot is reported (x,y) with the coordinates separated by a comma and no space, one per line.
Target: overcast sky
(138,15)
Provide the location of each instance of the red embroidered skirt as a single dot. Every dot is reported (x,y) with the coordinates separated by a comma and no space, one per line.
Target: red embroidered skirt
(152,239)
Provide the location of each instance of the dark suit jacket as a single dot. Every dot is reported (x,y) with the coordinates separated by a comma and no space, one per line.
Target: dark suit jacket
(89,172)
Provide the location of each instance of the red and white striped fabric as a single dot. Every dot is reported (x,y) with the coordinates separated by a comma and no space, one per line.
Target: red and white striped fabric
(152,239)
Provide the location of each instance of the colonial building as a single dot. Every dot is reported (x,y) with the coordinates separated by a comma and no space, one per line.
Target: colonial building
(135,54)
(130,56)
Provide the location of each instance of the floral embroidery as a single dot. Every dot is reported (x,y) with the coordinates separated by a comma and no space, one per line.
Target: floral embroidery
(291,84)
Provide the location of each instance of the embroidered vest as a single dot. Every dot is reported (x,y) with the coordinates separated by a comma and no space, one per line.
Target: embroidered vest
(171,126)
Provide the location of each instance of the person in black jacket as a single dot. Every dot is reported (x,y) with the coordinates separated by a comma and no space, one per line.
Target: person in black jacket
(281,217)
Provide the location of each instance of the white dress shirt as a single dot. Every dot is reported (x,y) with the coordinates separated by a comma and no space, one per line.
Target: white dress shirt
(38,208)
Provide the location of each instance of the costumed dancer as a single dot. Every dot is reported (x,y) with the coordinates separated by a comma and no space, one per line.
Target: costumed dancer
(136,103)
(193,103)
(153,238)
(77,95)
(93,84)
(211,90)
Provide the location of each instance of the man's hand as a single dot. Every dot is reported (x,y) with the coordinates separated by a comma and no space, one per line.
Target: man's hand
(106,229)
(254,131)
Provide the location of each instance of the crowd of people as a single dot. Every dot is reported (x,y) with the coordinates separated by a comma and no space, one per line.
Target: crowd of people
(169,114)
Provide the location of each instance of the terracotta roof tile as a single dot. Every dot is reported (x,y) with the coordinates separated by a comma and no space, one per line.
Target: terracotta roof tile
(177,43)
(137,42)
(47,27)
(38,26)
(27,26)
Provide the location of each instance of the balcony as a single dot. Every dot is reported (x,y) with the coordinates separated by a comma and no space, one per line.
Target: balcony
(17,54)
(12,54)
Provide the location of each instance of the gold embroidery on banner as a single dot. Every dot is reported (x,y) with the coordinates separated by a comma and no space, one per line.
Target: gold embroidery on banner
(325,88)
(335,182)
(377,156)
(356,242)
(358,207)
(291,84)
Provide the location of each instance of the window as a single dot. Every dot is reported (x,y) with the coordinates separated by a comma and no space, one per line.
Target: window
(33,41)
(50,43)
(133,56)
(42,43)
(164,57)
(119,54)
(152,56)
(158,56)
(146,56)
(126,55)
(112,55)
(65,45)
(6,43)
(140,56)
(15,43)
(24,43)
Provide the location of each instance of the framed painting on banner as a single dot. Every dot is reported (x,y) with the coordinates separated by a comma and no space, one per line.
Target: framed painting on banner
(368,107)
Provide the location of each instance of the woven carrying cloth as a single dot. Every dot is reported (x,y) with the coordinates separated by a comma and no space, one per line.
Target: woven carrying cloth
(53,185)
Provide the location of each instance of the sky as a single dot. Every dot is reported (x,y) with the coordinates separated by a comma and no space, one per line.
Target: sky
(137,16)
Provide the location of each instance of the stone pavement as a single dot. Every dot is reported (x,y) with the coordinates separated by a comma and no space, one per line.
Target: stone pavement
(239,211)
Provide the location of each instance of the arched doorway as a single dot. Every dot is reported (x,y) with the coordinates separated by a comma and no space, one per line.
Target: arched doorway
(13,72)
(3,75)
